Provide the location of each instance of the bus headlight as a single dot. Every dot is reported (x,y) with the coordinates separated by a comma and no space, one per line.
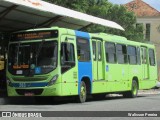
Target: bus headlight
(53,80)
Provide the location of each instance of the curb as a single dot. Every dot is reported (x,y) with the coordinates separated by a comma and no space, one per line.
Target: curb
(150,92)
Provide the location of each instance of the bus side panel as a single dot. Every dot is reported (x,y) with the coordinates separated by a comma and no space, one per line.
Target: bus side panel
(69,82)
(151,82)
(135,73)
(153,75)
(122,77)
(111,70)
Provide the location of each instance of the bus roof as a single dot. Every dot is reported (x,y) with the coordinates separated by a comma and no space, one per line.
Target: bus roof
(109,37)
(103,36)
(119,39)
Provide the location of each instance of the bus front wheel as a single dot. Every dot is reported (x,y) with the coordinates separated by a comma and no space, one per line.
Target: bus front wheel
(83,93)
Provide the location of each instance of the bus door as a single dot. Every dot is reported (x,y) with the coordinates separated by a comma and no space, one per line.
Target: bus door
(95,64)
(144,57)
(69,65)
(100,69)
(97,60)
(98,66)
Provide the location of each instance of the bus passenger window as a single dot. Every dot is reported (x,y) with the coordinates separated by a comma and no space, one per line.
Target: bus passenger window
(67,56)
(94,50)
(132,55)
(144,55)
(99,51)
(138,56)
(110,51)
(83,50)
(121,54)
(151,57)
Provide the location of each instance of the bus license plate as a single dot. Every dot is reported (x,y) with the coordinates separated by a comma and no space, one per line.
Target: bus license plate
(29,94)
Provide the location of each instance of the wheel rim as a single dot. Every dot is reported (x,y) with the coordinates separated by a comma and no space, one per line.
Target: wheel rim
(83,92)
(135,89)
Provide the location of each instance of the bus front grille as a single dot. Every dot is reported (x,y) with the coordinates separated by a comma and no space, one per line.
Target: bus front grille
(29,78)
(33,91)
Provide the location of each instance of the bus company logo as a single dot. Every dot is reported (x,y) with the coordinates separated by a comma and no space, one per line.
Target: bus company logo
(20,114)
(6,114)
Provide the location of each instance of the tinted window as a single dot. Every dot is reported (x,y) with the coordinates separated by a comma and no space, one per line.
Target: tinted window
(83,49)
(121,53)
(151,57)
(99,51)
(132,54)
(67,56)
(138,56)
(94,50)
(110,50)
(144,55)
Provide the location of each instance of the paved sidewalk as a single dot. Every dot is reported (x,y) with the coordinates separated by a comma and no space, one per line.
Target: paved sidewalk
(151,91)
(141,92)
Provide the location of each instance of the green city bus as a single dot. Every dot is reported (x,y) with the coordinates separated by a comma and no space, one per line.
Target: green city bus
(63,62)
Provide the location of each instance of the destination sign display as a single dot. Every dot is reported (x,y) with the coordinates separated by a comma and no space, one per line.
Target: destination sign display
(34,35)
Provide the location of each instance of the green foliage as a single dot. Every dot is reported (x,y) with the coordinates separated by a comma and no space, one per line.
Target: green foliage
(106,10)
(126,19)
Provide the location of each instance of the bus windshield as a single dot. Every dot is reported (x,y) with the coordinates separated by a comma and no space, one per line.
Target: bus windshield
(32,58)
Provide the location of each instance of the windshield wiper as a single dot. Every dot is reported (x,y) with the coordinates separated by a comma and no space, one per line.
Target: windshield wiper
(39,49)
(30,72)
(18,52)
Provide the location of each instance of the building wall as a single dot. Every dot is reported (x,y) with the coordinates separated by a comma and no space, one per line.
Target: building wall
(154,32)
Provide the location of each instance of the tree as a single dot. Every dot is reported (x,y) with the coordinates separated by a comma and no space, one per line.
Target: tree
(119,14)
(106,10)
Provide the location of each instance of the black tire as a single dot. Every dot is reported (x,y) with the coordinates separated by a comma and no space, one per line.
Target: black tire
(83,93)
(134,90)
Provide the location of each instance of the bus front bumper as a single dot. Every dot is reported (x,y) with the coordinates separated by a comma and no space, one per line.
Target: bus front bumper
(54,90)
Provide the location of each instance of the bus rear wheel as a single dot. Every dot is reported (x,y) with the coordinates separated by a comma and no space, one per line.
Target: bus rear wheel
(134,91)
(83,93)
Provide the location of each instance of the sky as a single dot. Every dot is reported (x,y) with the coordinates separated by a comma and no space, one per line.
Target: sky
(119,1)
(153,3)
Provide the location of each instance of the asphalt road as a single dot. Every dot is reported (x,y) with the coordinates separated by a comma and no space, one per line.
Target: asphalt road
(146,101)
